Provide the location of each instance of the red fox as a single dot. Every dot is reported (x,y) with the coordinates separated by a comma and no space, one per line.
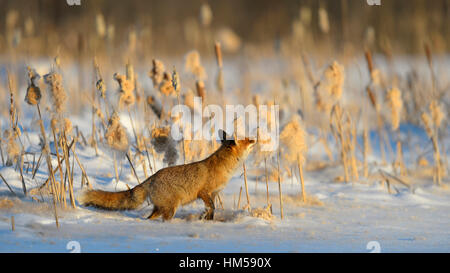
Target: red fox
(179,185)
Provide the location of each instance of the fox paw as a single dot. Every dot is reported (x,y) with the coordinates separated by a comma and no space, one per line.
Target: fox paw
(207,215)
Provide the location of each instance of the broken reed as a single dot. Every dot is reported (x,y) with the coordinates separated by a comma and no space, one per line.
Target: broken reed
(372,97)
(246,188)
(432,134)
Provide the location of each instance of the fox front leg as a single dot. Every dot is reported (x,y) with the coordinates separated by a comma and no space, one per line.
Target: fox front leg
(209,203)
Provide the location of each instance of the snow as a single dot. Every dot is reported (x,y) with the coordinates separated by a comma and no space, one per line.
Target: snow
(344,217)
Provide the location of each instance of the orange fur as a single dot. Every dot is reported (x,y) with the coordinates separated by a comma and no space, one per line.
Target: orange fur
(178,185)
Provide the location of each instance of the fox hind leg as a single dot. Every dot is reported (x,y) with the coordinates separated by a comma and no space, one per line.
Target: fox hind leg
(155,213)
(168,212)
(209,203)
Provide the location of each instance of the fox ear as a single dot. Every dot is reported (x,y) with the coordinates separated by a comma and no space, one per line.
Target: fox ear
(224,137)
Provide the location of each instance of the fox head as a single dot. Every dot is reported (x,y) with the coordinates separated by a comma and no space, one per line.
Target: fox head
(238,147)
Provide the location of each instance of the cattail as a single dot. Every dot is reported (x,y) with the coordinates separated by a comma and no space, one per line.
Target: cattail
(100,25)
(157,73)
(54,81)
(229,40)
(164,143)
(372,97)
(194,66)
(427,122)
(305,15)
(166,86)
(436,113)
(12,148)
(155,105)
(68,127)
(29,27)
(200,86)
(116,135)
(293,136)
(324,23)
(130,73)
(205,15)
(101,87)
(334,79)
(394,98)
(126,94)
(330,88)
(176,81)
(33,95)
(218,51)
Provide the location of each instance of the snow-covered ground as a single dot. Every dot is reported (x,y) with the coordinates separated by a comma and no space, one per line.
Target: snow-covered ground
(342,217)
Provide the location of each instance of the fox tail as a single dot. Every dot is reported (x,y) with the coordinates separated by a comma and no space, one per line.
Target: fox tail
(123,200)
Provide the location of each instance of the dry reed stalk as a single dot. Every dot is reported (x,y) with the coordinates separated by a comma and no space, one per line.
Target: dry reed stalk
(116,172)
(13,226)
(177,87)
(366,152)
(239,200)
(352,145)
(219,59)
(132,167)
(220,200)
(6,183)
(80,165)
(67,163)
(399,162)
(428,124)
(324,142)
(246,188)
(340,138)
(46,150)
(62,192)
(374,81)
(430,66)
(279,185)
(24,188)
(300,170)
(267,181)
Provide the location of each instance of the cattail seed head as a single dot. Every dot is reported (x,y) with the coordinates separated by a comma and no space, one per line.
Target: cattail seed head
(157,73)
(205,15)
(164,143)
(116,136)
(155,106)
(200,86)
(194,66)
(293,136)
(166,86)
(101,87)
(126,87)
(427,123)
(33,95)
(394,98)
(334,79)
(437,114)
(54,81)
(218,51)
